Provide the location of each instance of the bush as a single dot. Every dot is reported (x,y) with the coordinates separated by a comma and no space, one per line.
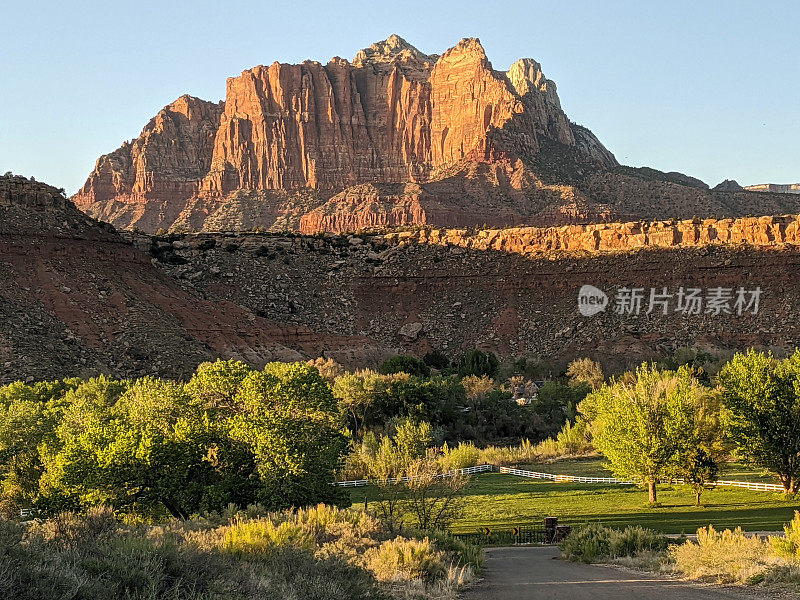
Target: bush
(726,557)
(403,559)
(634,540)
(462,456)
(572,440)
(788,546)
(587,543)
(507,455)
(405,364)
(594,542)
(465,553)
(319,553)
(264,537)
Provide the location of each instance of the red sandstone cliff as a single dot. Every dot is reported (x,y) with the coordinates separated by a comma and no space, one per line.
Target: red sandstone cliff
(392,116)
(395,137)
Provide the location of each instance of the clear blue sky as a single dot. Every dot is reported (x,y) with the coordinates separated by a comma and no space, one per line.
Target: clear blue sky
(707,88)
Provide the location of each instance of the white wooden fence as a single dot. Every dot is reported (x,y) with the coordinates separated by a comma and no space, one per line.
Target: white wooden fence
(761,487)
(554,477)
(467,471)
(749,485)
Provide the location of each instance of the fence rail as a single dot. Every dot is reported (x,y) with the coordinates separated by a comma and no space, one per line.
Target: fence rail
(760,487)
(451,473)
(749,485)
(555,477)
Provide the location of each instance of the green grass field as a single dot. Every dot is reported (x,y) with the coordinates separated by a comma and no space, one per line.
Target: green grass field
(503,501)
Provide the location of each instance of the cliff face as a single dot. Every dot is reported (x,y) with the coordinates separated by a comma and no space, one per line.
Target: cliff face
(392,116)
(609,237)
(394,137)
(167,161)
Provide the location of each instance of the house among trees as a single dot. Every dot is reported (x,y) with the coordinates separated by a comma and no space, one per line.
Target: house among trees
(524,391)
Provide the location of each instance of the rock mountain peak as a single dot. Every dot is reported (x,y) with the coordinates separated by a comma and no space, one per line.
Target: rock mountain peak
(391,50)
(397,137)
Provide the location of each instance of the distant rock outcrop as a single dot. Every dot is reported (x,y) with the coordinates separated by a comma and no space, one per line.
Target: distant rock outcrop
(729,185)
(775,188)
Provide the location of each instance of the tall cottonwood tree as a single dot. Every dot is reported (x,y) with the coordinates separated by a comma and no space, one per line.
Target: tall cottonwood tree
(761,396)
(645,425)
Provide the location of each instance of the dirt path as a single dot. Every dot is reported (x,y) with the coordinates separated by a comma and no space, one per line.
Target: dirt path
(532,572)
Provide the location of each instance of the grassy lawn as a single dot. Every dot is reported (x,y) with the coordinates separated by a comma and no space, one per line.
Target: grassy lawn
(502,501)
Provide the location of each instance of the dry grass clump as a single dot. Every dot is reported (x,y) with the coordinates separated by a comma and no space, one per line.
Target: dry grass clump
(317,553)
(404,559)
(501,456)
(732,557)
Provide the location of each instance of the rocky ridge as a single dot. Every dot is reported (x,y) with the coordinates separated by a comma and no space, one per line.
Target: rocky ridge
(511,291)
(78,300)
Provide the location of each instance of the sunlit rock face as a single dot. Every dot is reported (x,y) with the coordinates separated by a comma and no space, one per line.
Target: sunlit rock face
(393,138)
(308,132)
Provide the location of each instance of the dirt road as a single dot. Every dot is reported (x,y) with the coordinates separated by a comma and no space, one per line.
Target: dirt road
(533,572)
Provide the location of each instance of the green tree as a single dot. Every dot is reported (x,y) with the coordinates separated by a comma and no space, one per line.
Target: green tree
(289,419)
(761,396)
(700,470)
(29,415)
(586,370)
(477,363)
(231,435)
(215,384)
(357,394)
(405,364)
(557,402)
(391,461)
(152,447)
(644,427)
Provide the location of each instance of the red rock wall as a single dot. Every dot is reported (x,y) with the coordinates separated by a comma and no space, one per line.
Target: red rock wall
(754,231)
(399,118)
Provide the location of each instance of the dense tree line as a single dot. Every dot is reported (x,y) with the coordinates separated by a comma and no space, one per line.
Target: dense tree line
(230,434)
